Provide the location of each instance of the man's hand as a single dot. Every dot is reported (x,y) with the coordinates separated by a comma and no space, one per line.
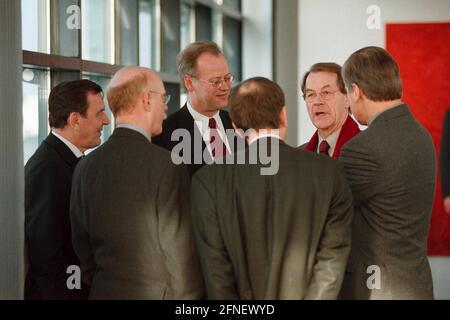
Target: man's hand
(447,204)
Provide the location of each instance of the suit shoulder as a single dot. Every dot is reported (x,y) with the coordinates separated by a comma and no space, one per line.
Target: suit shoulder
(315,162)
(45,157)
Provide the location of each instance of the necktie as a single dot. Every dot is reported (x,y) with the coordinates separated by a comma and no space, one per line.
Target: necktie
(324,147)
(218,147)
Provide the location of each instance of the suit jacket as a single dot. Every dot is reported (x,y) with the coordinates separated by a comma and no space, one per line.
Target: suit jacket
(445,156)
(282,236)
(48,180)
(348,131)
(182,119)
(391,169)
(131,222)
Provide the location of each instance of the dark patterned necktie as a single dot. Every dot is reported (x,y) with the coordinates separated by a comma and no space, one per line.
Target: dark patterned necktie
(218,147)
(324,147)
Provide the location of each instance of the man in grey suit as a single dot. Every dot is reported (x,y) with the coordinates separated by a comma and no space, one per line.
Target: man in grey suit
(391,169)
(281,236)
(130,214)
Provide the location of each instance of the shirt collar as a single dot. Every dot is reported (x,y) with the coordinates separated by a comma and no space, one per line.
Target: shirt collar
(264,135)
(135,128)
(70,145)
(331,139)
(201,120)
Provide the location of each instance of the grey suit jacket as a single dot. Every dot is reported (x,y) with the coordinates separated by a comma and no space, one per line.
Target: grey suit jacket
(284,236)
(131,222)
(391,168)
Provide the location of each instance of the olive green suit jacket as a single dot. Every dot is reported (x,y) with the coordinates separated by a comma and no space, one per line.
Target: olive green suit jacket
(282,236)
(131,222)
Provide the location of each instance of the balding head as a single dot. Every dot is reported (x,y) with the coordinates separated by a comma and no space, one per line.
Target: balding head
(127,85)
(256,104)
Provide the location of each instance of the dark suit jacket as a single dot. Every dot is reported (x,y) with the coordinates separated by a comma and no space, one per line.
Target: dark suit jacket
(445,156)
(391,168)
(131,222)
(182,119)
(48,180)
(348,131)
(284,236)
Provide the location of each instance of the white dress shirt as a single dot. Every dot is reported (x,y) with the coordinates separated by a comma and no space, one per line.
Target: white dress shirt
(202,123)
(70,145)
(332,140)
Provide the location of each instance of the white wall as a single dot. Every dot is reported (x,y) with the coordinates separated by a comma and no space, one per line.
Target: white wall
(330,30)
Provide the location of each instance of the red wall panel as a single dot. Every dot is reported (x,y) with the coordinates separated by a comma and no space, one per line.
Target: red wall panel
(423,53)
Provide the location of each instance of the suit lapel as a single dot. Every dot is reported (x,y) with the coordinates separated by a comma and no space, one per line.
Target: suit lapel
(186,121)
(225,120)
(60,147)
(312,144)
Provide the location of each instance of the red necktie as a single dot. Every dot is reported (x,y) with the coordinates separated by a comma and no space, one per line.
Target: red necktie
(324,147)
(218,147)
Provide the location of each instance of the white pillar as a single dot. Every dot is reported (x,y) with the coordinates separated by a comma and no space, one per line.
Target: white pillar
(11,153)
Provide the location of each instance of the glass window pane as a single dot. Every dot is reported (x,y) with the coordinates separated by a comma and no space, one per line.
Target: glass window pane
(35,26)
(232,46)
(203,23)
(36,89)
(235,4)
(186,25)
(66,26)
(171,35)
(97,30)
(59,76)
(174,90)
(147,34)
(127,15)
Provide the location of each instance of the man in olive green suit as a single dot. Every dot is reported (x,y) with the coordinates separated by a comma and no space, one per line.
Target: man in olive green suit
(131,222)
(391,170)
(279,236)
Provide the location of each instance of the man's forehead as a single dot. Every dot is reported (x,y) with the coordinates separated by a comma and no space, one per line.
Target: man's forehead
(95,100)
(213,64)
(321,79)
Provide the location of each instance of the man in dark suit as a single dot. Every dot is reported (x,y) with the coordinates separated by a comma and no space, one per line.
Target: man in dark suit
(205,74)
(391,168)
(76,114)
(445,162)
(325,96)
(130,214)
(280,236)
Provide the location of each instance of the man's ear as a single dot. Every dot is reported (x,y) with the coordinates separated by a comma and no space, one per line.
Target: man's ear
(188,83)
(347,104)
(356,92)
(283,117)
(73,121)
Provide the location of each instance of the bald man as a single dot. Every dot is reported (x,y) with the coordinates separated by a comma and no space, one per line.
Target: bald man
(129,206)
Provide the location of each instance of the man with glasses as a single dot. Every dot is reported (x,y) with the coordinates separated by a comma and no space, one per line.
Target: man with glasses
(131,224)
(325,95)
(205,74)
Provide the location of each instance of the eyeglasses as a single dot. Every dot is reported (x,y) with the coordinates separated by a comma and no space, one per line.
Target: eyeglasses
(217,82)
(165,97)
(324,95)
